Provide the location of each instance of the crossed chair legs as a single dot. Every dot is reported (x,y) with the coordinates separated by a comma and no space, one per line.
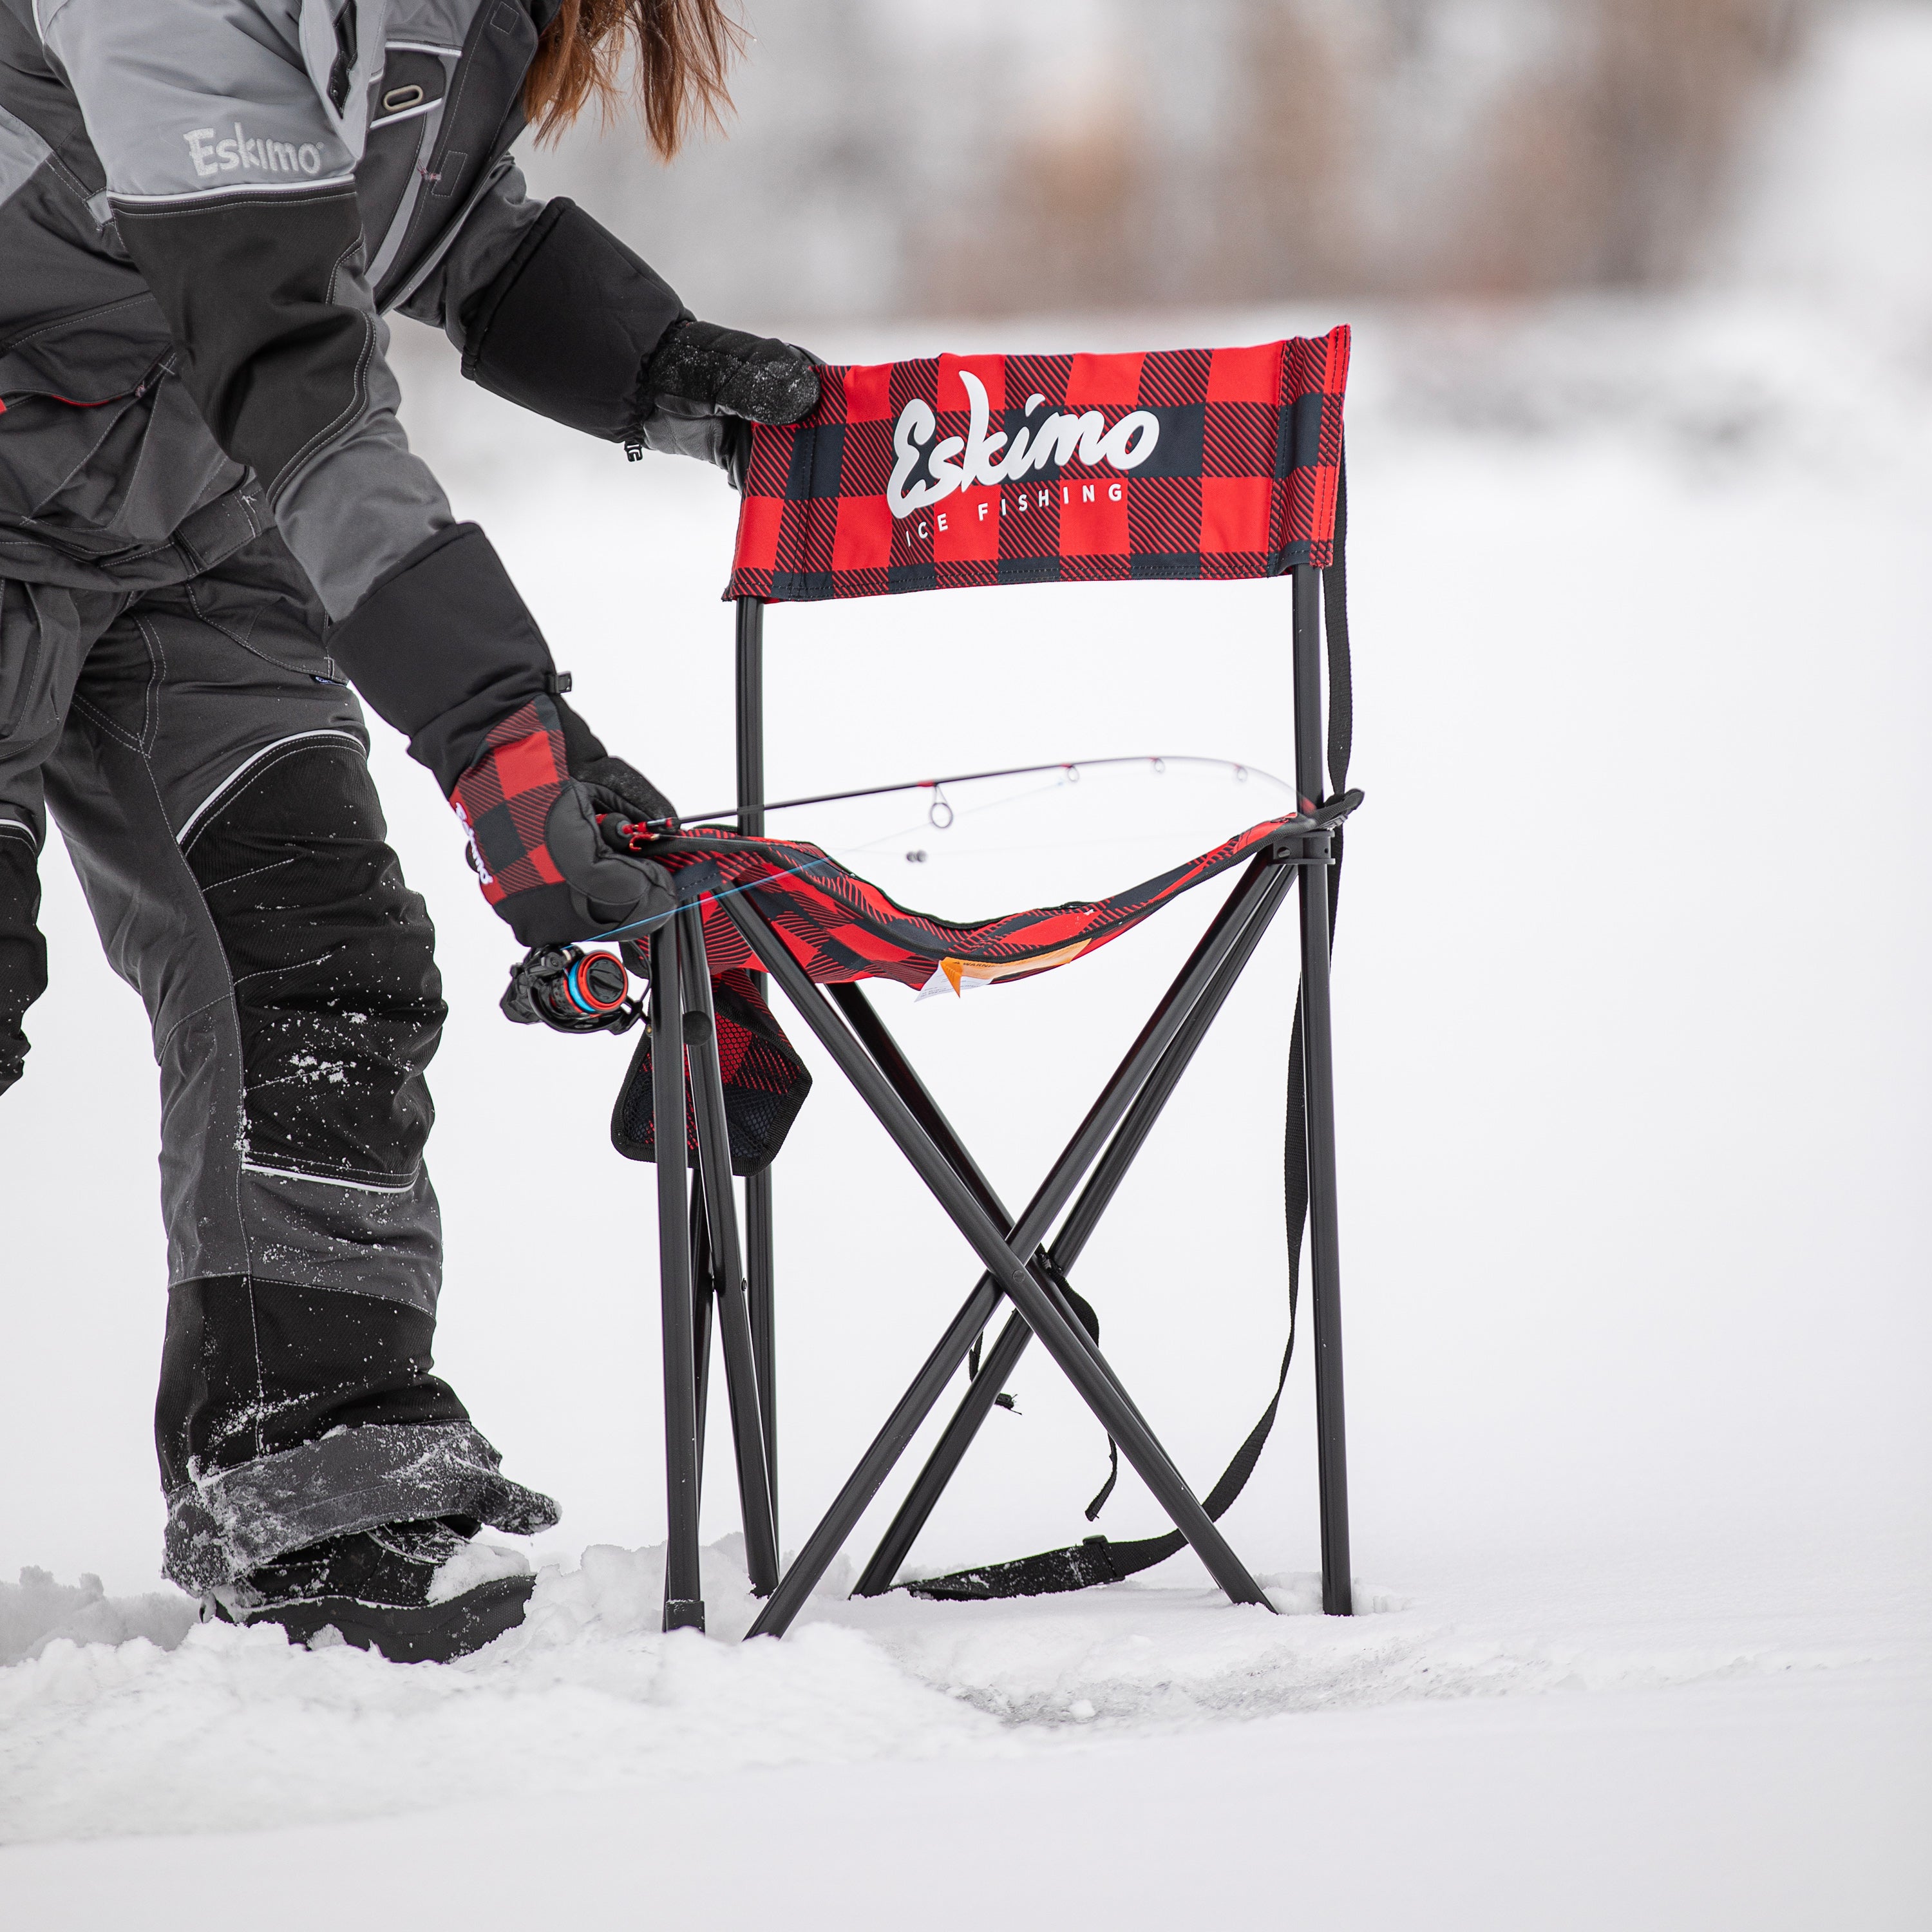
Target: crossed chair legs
(700,1261)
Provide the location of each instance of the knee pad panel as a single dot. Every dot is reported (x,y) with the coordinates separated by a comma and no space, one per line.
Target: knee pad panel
(331,955)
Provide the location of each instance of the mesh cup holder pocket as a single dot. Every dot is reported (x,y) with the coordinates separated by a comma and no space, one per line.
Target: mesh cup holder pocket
(765,1084)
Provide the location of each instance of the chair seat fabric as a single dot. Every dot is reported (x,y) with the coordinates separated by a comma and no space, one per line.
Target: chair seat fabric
(841,928)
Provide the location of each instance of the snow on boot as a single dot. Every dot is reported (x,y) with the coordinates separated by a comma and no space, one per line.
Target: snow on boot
(419,1592)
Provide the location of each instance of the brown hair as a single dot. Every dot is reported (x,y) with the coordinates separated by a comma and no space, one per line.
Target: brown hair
(683,50)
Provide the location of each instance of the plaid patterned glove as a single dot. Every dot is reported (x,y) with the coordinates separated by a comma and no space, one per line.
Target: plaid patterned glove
(538,841)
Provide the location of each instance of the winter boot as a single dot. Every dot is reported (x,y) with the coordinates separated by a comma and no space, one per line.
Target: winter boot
(419,1592)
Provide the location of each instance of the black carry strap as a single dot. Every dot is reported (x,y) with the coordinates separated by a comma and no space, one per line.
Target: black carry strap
(1098,1559)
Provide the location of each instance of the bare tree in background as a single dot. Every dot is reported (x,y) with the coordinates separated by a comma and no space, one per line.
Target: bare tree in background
(1602,167)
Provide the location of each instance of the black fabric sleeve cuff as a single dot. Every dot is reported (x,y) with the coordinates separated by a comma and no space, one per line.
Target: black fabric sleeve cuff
(443,648)
(568,325)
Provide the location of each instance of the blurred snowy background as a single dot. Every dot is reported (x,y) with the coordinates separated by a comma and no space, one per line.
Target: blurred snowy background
(1635,1048)
(916,157)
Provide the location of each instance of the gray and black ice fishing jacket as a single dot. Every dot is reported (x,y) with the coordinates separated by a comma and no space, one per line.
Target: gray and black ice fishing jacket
(206,206)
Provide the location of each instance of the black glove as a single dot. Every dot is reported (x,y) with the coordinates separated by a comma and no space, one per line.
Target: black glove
(704,385)
(585,758)
(545,841)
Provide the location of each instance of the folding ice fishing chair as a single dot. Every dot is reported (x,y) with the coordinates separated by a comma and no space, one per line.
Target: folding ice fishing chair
(985,470)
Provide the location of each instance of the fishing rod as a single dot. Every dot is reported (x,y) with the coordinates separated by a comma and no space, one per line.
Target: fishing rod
(1071,767)
(575,991)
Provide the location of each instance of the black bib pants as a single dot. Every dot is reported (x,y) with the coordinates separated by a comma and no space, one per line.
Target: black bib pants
(205,764)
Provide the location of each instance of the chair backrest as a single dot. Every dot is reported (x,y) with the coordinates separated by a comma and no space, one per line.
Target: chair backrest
(962,470)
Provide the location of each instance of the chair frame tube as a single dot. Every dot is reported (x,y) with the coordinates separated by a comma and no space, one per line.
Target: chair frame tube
(1016,1268)
(684,1602)
(722,1280)
(758,1244)
(1325,1240)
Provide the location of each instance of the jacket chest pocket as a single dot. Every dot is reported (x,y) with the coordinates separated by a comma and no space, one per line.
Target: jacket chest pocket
(467,148)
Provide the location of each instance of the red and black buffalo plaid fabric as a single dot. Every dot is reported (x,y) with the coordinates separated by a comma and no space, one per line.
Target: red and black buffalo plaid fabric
(765,1083)
(840,927)
(504,799)
(980,470)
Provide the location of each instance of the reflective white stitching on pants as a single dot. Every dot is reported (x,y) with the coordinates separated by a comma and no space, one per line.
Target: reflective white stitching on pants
(247,766)
(329,1179)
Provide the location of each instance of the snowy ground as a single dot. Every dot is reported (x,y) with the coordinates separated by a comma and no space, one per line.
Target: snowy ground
(1634,1056)
(1551,1744)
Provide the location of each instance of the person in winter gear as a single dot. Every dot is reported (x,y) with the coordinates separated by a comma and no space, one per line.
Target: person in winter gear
(211,526)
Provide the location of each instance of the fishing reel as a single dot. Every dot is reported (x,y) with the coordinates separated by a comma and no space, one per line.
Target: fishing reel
(565,987)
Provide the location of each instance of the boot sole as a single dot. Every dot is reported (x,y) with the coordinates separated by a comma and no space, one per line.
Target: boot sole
(425,1633)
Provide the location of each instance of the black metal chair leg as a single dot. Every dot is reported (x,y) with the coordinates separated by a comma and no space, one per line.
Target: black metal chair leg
(762,1308)
(759,1258)
(1324,1266)
(703,1286)
(684,1604)
(721,1222)
(748,1438)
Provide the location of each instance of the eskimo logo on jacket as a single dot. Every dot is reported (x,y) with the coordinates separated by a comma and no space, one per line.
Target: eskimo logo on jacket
(217,155)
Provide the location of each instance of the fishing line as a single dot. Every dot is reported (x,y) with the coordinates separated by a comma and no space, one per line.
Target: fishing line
(1069,770)
(1071,767)
(954,815)
(1069,775)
